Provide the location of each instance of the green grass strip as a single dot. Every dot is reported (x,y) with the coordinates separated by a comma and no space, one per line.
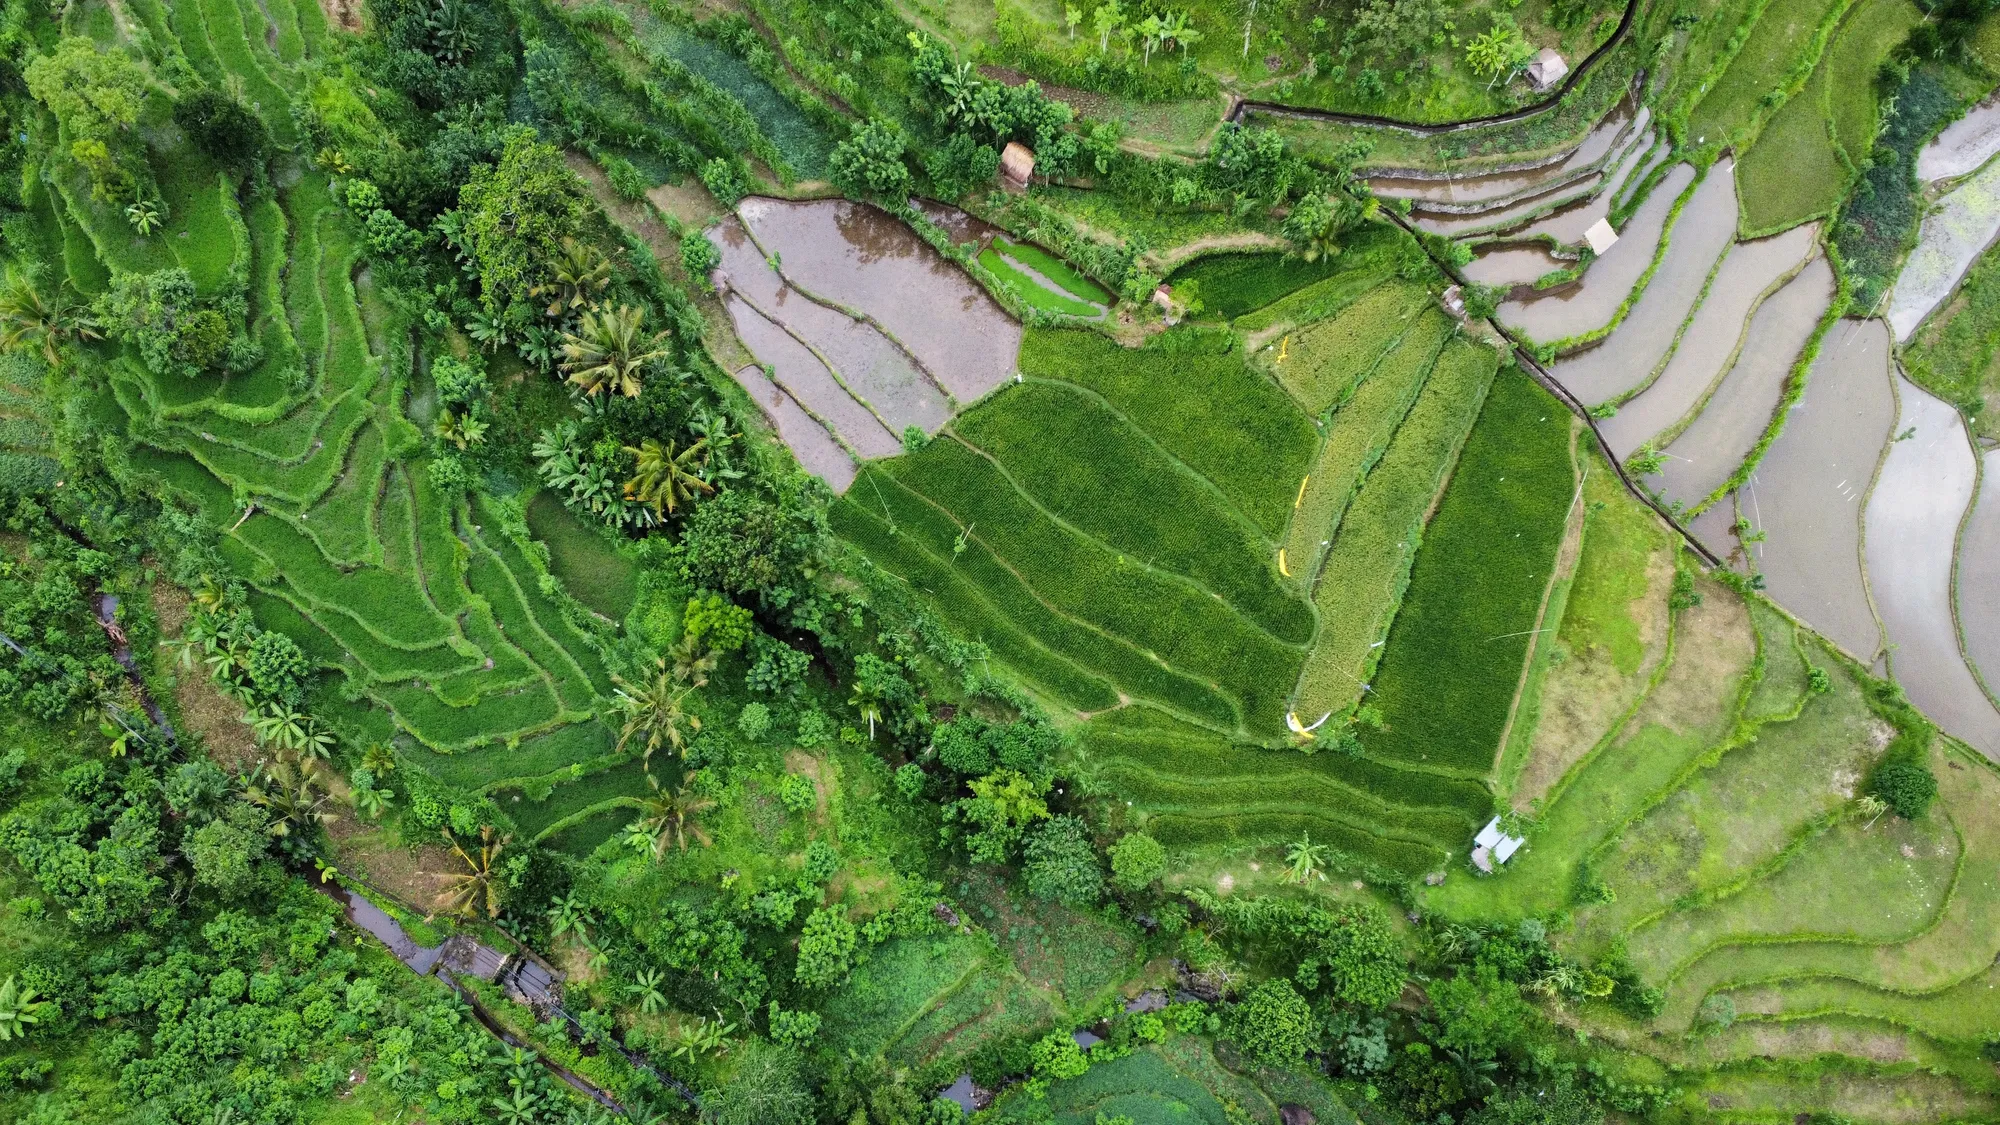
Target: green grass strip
(1356,436)
(1362,582)
(1032,292)
(1201,402)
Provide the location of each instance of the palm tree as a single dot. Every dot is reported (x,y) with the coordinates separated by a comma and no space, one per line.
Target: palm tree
(462,430)
(479,884)
(1303,859)
(379,758)
(291,793)
(18,1009)
(868,701)
(655,711)
(581,272)
(27,321)
(646,986)
(665,479)
(144,216)
(609,349)
(692,662)
(668,818)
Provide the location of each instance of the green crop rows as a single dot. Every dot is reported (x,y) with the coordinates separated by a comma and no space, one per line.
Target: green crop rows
(1477,587)
(1361,583)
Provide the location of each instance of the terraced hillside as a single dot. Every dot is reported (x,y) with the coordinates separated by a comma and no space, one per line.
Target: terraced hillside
(1182,549)
(433,610)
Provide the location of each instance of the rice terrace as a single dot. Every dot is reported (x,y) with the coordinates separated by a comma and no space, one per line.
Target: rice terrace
(885,562)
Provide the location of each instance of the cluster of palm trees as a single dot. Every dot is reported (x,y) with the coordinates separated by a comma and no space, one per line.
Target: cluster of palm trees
(656,714)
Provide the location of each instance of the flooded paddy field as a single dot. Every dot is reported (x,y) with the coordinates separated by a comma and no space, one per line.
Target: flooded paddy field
(1979,574)
(1806,495)
(802,375)
(872,367)
(1949,241)
(1513,266)
(1569,224)
(864,259)
(1630,355)
(1465,193)
(1592,302)
(1505,218)
(1963,145)
(1712,337)
(1705,455)
(1912,522)
(816,450)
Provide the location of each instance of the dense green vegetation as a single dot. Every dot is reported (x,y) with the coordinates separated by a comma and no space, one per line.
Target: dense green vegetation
(381,523)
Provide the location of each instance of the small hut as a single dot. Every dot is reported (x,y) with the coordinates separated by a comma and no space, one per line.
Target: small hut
(1547,69)
(1601,237)
(1017,164)
(1493,847)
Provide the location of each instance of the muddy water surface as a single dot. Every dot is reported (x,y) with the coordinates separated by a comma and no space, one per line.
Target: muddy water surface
(795,368)
(1512,266)
(1963,145)
(1500,185)
(963,229)
(873,367)
(816,450)
(1702,459)
(1806,495)
(1513,215)
(1628,356)
(1950,239)
(1912,524)
(1592,302)
(1711,338)
(1979,574)
(1569,224)
(865,259)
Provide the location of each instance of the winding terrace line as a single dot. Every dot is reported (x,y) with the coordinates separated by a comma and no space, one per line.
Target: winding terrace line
(1243,106)
(1526,358)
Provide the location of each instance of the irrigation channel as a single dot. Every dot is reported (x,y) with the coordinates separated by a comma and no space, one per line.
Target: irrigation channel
(522,976)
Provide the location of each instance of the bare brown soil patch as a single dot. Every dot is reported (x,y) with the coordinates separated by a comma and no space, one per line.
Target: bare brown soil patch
(415,874)
(204,711)
(343,14)
(1584,694)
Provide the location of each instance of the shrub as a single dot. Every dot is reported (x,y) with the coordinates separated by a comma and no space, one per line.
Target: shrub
(1274,1024)
(698,255)
(461,383)
(869,164)
(754,722)
(717,623)
(1056,1057)
(1061,865)
(826,947)
(796,791)
(1137,860)
(1906,785)
(278,667)
(222,127)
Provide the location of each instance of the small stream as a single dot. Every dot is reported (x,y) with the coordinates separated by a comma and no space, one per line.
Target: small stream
(523,977)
